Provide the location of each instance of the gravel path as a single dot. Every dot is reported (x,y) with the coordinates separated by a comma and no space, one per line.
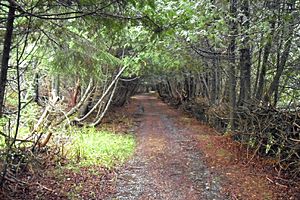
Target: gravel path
(167,164)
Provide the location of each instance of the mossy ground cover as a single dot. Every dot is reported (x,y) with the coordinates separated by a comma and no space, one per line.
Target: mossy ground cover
(84,168)
(90,146)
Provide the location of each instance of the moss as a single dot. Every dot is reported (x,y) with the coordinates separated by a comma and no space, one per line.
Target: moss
(96,147)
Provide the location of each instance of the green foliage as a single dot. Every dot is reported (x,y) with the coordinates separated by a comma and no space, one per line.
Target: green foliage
(93,147)
(12,99)
(2,142)
(30,115)
(82,57)
(3,122)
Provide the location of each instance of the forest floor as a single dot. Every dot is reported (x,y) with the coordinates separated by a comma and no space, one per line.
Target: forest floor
(181,158)
(176,158)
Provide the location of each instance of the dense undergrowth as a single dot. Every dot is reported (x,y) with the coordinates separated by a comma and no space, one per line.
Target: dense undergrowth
(266,131)
(73,155)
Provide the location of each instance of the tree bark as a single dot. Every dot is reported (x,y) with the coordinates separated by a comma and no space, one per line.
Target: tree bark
(6,53)
(55,87)
(232,70)
(36,88)
(74,94)
(245,57)
(284,57)
(275,83)
(214,83)
(257,71)
(262,75)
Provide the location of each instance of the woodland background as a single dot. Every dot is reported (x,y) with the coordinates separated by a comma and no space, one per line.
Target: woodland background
(233,64)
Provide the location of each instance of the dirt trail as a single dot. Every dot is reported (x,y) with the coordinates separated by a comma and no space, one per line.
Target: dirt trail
(177,158)
(167,165)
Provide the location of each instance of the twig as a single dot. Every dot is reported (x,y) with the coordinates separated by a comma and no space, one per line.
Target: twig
(44,187)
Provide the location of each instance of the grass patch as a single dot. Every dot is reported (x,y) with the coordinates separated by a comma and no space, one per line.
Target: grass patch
(186,120)
(223,153)
(98,147)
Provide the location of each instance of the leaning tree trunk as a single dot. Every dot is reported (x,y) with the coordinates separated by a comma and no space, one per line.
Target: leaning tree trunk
(6,53)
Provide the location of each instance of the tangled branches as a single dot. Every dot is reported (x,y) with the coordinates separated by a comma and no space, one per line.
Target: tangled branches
(273,132)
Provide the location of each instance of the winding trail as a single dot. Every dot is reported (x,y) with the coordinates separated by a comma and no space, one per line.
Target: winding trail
(167,164)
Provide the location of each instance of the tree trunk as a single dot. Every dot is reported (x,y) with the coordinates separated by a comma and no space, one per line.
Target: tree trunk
(245,57)
(257,71)
(284,57)
(36,88)
(74,94)
(55,87)
(275,83)
(276,93)
(262,74)
(6,53)
(214,83)
(232,75)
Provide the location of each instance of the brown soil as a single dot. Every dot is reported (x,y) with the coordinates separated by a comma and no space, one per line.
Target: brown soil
(180,158)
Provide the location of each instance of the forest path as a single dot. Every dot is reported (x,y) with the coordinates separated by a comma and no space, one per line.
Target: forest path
(168,164)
